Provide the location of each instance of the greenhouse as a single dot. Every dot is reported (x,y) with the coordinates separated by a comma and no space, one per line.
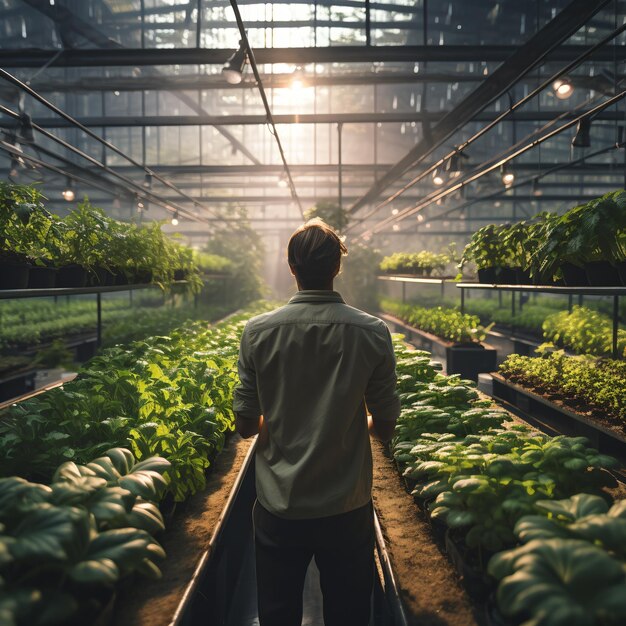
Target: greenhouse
(312,313)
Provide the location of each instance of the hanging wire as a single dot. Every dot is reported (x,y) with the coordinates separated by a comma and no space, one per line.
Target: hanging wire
(268,112)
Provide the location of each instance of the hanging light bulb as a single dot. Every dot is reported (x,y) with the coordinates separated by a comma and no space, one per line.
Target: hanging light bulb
(508,177)
(68,193)
(26,129)
(234,66)
(582,138)
(175,218)
(438,178)
(420,217)
(147,181)
(456,165)
(394,211)
(396,227)
(536,190)
(563,88)
(282,181)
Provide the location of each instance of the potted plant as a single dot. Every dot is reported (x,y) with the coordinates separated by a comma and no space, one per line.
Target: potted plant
(86,237)
(15,210)
(490,252)
(585,244)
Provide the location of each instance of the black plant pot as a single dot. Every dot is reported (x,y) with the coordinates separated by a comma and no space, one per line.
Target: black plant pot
(506,276)
(574,276)
(470,359)
(621,269)
(42,277)
(181,274)
(13,274)
(120,277)
(487,275)
(602,274)
(522,277)
(101,277)
(143,277)
(72,276)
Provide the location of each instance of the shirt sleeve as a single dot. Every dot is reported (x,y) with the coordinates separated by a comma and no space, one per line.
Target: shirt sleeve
(246,396)
(381,395)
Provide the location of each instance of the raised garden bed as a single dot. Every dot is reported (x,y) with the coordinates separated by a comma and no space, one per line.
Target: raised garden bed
(428,584)
(608,436)
(189,542)
(465,359)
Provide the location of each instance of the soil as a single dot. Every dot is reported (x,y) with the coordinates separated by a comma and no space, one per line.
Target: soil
(429,586)
(576,405)
(185,540)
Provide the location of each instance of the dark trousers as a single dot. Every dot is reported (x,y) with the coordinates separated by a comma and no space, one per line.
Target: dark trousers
(343,548)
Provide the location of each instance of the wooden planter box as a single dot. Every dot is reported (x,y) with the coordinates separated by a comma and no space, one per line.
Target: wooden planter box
(466,360)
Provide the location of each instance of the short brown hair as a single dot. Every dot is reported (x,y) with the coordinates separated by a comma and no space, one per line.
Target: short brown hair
(314,253)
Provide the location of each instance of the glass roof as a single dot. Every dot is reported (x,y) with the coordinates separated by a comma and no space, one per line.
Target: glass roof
(145,75)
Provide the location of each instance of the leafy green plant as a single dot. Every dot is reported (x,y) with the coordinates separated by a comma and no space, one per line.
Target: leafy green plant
(64,546)
(446,323)
(329,211)
(593,231)
(421,263)
(585,383)
(570,568)
(584,331)
(488,248)
(167,395)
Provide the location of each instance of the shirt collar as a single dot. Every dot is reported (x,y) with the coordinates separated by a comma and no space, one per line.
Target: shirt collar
(315,295)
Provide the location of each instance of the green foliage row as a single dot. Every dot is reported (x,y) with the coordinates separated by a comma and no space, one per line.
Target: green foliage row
(422,263)
(446,323)
(64,546)
(88,237)
(584,382)
(484,477)
(594,231)
(27,324)
(584,331)
(166,395)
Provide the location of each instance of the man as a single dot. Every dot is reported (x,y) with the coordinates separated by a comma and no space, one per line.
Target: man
(307,373)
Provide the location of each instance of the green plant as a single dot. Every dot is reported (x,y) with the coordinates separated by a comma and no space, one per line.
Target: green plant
(423,262)
(488,248)
(65,546)
(570,568)
(329,211)
(584,331)
(26,227)
(589,232)
(446,323)
(585,383)
(166,395)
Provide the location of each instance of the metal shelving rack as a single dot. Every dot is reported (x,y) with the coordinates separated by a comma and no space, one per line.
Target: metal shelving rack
(16,294)
(414,279)
(613,292)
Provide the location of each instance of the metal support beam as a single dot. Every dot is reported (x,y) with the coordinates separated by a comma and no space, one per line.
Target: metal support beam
(135,57)
(304,118)
(575,15)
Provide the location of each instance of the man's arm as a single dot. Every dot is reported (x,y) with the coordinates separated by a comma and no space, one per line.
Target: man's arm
(381,395)
(247,427)
(246,405)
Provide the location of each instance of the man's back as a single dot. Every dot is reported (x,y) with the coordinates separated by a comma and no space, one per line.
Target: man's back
(314,363)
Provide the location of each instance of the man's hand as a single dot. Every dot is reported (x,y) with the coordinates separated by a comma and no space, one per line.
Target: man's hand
(248,428)
(381,429)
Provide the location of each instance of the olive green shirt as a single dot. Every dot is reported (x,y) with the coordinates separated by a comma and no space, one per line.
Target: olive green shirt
(309,368)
